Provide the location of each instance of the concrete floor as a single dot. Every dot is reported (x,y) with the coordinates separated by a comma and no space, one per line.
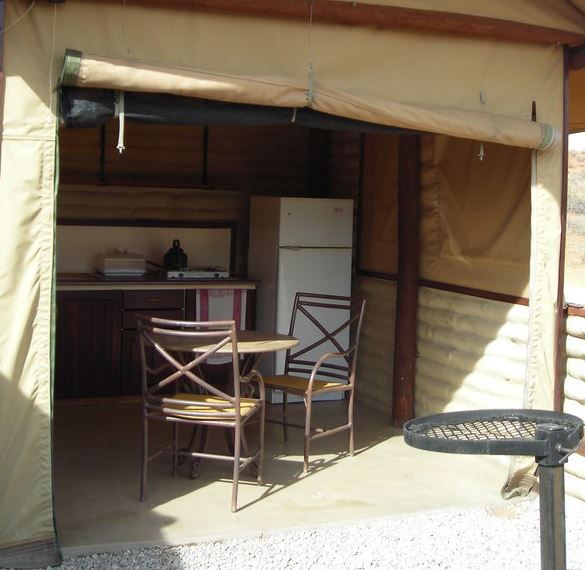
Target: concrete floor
(97,451)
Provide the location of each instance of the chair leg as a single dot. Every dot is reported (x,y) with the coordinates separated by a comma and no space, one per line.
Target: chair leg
(245,447)
(260,472)
(237,441)
(350,422)
(307,444)
(284,409)
(246,451)
(144,460)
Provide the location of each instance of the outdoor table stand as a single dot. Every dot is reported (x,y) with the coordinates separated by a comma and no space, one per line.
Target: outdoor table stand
(549,436)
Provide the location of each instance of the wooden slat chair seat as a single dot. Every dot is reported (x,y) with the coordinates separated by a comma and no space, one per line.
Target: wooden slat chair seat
(324,364)
(299,385)
(202,407)
(194,400)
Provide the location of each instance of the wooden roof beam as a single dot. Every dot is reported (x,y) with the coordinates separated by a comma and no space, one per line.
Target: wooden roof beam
(374,16)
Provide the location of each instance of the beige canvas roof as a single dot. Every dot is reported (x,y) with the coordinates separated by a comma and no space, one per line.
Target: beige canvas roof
(564,15)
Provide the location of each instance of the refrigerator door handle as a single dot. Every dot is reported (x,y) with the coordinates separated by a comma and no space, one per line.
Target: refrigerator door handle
(291,247)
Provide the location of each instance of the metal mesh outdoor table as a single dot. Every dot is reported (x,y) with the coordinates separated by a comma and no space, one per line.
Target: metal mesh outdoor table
(549,436)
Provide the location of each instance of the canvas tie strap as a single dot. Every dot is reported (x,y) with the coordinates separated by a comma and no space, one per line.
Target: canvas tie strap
(121,115)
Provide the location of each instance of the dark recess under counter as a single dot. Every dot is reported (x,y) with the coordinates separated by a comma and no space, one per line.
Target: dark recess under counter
(96,343)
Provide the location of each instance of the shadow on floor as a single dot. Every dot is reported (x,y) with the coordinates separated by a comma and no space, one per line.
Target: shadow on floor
(97,455)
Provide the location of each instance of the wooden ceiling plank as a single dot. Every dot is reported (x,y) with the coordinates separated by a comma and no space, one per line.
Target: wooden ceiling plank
(375,16)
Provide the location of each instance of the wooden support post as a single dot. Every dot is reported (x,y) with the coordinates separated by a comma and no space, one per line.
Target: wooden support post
(560,353)
(407,280)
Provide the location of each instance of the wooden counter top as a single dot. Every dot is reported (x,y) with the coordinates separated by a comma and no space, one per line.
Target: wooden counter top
(99,282)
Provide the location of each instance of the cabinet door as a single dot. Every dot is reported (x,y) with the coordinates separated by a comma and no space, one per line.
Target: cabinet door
(166,304)
(87,352)
(131,374)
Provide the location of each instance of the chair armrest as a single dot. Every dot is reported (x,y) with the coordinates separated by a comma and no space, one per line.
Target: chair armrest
(322,359)
(255,376)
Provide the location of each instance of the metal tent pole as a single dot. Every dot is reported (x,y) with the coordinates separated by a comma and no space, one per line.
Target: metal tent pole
(553,555)
(551,476)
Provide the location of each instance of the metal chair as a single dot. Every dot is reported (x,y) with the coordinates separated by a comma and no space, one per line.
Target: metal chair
(324,362)
(184,346)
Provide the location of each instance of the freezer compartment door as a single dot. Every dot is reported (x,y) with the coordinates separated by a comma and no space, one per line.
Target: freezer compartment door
(325,271)
(316,222)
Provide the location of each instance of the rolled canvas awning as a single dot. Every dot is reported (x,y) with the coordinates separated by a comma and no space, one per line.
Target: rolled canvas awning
(85,70)
(83,107)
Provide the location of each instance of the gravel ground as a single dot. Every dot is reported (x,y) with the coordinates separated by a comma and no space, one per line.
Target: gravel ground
(496,538)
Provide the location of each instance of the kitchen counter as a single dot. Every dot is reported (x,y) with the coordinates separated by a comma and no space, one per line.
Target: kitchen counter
(96,323)
(99,282)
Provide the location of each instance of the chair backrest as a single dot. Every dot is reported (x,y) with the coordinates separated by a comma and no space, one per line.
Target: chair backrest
(183,347)
(325,324)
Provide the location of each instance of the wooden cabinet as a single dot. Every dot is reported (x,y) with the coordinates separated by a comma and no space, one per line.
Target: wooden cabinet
(167,304)
(87,344)
(97,351)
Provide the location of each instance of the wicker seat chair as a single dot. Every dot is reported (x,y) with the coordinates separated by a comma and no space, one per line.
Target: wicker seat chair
(323,363)
(184,346)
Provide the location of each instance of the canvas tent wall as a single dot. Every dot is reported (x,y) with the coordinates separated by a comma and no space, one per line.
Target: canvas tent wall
(471,87)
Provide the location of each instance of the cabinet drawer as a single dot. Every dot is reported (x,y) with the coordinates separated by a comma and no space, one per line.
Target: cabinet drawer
(129,317)
(158,299)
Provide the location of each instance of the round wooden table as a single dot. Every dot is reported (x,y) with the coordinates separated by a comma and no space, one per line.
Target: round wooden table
(249,342)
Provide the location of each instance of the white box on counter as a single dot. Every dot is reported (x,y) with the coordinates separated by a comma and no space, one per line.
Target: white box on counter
(121,263)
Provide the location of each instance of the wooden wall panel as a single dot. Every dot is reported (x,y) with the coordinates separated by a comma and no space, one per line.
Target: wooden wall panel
(376,352)
(83,202)
(471,353)
(79,155)
(379,205)
(344,164)
(260,160)
(155,155)
(283,160)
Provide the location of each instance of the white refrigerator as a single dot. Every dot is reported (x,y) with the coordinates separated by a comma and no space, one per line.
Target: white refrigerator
(297,244)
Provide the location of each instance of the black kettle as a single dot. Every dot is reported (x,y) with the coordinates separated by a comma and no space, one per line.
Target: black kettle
(175,258)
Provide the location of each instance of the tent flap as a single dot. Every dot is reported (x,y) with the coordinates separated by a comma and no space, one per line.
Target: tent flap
(90,107)
(39,553)
(84,70)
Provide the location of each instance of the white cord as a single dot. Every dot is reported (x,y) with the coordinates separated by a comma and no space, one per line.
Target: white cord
(12,24)
(481,154)
(120,113)
(482,99)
